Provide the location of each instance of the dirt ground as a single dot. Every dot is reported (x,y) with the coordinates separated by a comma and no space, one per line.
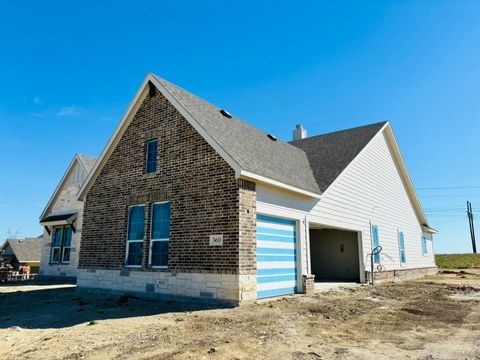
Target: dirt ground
(437,317)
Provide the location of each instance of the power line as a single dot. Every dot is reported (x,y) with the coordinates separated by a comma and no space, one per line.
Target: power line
(449,187)
(447,196)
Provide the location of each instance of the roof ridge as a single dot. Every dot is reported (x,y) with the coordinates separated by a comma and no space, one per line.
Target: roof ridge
(341,131)
(234,117)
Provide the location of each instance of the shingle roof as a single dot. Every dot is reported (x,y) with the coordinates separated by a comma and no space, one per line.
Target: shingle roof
(247,145)
(26,250)
(87,161)
(329,154)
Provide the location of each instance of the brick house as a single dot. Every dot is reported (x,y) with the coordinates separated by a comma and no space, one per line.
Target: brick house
(188,200)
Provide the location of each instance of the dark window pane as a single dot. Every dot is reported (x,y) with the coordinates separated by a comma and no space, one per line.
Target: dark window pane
(68,237)
(136,221)
(57,237)
(55,255)
(159,253)
(161,221)
(151,156)
(66,254)
(135,253)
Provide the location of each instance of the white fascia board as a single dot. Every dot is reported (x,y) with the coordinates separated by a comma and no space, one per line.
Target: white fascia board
(59,186)
(115,138)
(251,176)
(406,176)
(430,230)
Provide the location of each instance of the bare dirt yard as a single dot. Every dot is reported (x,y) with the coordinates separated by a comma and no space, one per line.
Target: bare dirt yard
(437,317)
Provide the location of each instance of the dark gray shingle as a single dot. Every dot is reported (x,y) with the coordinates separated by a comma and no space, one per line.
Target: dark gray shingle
(25,250)
(329,154)
(247,145)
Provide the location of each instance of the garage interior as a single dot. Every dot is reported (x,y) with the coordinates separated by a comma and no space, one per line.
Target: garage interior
(334,255)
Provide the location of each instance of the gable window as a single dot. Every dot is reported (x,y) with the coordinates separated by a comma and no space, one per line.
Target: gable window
(61,244)
(424,246)
(401,245)
(135,235)
(160,235)
(151,160)
(376,242)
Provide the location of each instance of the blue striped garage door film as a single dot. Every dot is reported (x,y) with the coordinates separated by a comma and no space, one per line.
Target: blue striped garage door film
(276,257)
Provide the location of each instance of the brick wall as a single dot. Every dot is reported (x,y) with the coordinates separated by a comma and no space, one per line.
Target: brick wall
(200,185)
(248,215)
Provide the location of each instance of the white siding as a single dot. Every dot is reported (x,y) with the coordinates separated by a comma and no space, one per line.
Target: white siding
(370,190)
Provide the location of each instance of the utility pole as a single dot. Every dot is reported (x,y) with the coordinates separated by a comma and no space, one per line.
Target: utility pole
(472,228)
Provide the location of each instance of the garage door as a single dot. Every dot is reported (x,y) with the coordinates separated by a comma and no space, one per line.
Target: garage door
(276,256)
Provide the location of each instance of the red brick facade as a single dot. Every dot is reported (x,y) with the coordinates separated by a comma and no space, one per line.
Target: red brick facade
(205,197)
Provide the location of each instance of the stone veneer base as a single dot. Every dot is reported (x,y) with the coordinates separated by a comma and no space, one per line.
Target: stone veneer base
(154,283)
(401,274)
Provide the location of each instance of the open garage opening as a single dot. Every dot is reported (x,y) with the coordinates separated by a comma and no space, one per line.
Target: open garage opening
(334,255)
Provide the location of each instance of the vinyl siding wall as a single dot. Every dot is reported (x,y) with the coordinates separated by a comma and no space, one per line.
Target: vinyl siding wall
(369,191)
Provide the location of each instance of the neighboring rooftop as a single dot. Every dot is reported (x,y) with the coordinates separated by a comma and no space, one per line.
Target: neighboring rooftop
(25,250)
(329,154)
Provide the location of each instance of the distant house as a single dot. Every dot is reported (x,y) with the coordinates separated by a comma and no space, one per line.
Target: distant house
(188,200)
(19,252)
(62,221)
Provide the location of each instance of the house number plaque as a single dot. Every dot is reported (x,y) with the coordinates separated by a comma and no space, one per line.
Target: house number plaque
(216,240)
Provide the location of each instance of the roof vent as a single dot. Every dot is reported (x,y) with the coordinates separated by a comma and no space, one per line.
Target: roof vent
(272,137)
(226,113)
(299,132)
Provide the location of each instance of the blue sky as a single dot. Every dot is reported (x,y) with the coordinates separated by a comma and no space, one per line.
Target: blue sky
(68,72)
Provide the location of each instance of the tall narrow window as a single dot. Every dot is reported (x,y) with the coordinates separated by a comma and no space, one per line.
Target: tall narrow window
(67,244)
(401,245)
(57,244)
(136,225)
(376,242)
(160,234)
(61,244)
(424,246)
(151,161)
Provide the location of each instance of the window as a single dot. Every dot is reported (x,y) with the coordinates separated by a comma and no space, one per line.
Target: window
(61,244)
(401,245)
(424,246)
(376,242)
(160,234)
(67,244)
(57,244)
(135,234)
(151,161)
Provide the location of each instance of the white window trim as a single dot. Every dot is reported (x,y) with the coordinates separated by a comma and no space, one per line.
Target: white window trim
(146,156)
(129,241)
(66,247)
(61,248)
(373,243)
(55,229)
(152,240)
(424,239)
(400,248)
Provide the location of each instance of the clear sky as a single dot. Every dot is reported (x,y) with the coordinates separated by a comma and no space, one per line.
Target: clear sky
(68,72)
